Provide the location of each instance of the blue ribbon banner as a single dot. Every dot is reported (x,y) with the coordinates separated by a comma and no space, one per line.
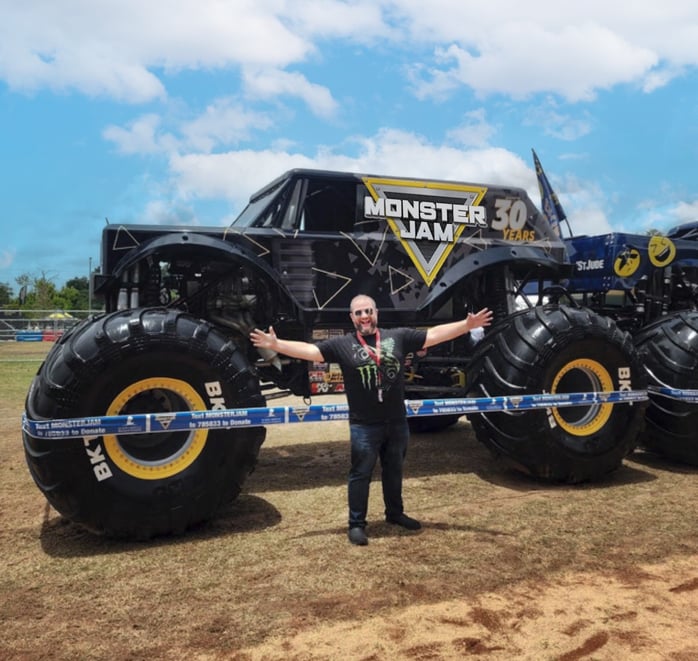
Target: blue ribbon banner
(153,423)
(690,396)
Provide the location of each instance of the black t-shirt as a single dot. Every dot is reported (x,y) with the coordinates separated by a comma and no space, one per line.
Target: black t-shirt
(361,376)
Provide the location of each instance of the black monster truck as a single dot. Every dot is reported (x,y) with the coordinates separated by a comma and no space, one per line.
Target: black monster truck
(180,303)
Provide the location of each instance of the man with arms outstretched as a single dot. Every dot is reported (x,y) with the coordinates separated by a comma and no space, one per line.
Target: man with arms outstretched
(371,360)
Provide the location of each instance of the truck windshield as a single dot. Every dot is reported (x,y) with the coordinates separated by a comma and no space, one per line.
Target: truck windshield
(263,210)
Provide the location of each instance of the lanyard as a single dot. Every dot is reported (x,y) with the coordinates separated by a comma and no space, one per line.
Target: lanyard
(375,355)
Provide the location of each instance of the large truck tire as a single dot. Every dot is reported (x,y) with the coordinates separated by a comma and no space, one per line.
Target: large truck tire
(558,349)
(669,350)
(142,361)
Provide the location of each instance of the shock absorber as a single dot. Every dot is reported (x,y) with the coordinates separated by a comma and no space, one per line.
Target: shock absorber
(151,284)
(498,292)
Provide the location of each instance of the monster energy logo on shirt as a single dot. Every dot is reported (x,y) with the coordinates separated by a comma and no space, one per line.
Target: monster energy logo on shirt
(390,366)
(369,376)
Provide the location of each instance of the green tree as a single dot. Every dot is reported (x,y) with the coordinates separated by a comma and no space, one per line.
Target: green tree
(40,292)
(45,293)
(5,295)
(66,299)
(74,295)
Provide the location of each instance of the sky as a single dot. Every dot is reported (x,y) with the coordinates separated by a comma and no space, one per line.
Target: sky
(176,111)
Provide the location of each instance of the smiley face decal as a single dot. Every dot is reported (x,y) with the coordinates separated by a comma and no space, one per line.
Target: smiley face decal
(626,262)
(661,251)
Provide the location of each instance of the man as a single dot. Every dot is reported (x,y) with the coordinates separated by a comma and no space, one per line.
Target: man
(372,362)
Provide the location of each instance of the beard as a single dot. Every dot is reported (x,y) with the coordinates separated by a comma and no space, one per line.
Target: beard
(366,328)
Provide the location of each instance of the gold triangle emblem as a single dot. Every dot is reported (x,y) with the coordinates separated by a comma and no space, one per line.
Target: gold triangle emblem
(427,217)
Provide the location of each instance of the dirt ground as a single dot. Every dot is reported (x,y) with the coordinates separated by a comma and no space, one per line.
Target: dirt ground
(641,610)
(504,567)
(648,613)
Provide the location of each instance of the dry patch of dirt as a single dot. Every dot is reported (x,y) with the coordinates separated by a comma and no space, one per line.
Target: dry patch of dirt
(649,613)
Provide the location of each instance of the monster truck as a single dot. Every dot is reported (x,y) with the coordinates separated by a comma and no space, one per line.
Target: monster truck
(649,286)
(181,301)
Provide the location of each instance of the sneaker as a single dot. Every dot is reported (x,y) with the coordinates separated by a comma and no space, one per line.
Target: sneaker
(404,521)
(358,536)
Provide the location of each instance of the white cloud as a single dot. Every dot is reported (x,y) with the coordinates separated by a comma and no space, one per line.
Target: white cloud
(558,124)
(570,49)
(524,58)
(123,48)
(224,122)
(394,152)
(686,212)
(585,204)
(589,218)
(662,212)
(361,21)
(7,257)
(230,176)
(270,83)
(163,212)
(235,175)
(139,138)
(115,48)
(660,77)
(474,131)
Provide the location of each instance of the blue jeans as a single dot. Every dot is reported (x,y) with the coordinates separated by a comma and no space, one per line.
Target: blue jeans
(368,442)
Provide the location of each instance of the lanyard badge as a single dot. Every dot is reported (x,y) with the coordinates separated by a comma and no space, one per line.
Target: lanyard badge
(375,355)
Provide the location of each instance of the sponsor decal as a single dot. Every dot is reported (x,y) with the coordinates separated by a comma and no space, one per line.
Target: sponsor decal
(427,217)
(299,411)
(164,419)
(214,391)
(415,406)
(97,458)
(624,379)
(589,264)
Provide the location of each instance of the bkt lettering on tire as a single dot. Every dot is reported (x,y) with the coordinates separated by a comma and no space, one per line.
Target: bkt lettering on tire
(143,361)
(560,350)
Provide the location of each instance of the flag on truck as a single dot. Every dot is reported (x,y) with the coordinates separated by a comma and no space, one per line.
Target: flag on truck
(552,209)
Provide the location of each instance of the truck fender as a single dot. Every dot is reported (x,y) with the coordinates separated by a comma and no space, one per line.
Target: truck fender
(495,256)
(188,241)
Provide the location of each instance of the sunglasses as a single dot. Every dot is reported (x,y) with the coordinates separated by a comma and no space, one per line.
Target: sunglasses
(359,313)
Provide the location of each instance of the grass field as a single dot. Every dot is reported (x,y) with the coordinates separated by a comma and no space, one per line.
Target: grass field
(504,568)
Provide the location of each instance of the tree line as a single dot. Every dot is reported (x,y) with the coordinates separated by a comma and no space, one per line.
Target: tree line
(41,293)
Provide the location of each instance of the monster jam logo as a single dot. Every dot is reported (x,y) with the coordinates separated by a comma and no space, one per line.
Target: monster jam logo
(427,217)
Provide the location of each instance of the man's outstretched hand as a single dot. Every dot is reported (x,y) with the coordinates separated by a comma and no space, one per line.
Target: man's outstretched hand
(479,319)
(263,340)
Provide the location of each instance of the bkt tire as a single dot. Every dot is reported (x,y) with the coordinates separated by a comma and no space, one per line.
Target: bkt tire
(560,350)
(669,350)
(142,361)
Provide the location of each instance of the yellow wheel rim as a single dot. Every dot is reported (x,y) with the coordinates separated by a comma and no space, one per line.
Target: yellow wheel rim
(173,461)
(582,375)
